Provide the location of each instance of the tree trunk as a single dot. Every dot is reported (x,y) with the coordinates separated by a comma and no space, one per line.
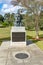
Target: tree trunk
(36,27)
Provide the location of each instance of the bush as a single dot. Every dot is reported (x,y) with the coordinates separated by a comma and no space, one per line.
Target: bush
(11,24)
(41,28)
(5,23)
(41,24)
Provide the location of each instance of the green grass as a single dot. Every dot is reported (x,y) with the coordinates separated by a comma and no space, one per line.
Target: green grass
(40,44)
(5,35)
(32,34)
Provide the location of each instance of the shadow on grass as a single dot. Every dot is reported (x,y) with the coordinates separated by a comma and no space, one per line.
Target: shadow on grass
(4,39)
(2,26)
(29,40)
(29,37)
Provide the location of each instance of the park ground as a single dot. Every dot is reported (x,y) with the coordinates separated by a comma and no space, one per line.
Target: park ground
(5,35)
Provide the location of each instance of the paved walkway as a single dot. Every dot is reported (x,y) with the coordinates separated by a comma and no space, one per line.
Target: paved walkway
(7,55)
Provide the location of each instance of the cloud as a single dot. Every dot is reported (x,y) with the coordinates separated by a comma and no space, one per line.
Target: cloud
(5,6)
(8,8)
(5,1)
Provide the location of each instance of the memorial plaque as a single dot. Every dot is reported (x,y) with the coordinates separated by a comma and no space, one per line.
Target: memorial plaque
(18,36)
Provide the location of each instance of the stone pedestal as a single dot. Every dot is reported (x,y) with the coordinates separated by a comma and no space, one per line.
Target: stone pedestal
(18,36)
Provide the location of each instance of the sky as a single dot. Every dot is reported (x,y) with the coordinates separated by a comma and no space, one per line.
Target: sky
(6,7)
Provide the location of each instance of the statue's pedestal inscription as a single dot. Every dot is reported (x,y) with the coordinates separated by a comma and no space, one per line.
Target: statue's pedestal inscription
(18,36)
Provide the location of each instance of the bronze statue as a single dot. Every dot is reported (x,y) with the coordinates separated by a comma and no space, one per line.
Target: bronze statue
(18,19)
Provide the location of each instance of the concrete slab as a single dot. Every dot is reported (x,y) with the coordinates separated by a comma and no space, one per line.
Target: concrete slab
(7,55)
(5,45)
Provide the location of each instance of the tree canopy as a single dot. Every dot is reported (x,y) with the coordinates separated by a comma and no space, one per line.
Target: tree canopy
(1,18)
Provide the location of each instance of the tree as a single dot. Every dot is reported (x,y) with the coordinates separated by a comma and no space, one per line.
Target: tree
(41,20)
(28,22)
(34,6)
(9,18)
(1,18)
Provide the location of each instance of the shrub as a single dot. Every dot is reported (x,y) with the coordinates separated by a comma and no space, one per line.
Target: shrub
(41,27)
(5,23)
(11,24)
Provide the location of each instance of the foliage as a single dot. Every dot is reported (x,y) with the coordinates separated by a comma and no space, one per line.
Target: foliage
(41,20)
(1,18)
(5,23)
(41,24)
(28,22)
(9,18)
(34,7)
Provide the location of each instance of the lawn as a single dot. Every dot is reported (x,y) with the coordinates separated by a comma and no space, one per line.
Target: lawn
(5,35)
(32,34)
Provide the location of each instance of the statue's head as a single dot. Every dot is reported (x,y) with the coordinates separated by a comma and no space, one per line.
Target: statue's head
(18,12)
(18,19)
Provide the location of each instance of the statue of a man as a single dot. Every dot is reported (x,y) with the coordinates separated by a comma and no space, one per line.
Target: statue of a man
(19,19)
